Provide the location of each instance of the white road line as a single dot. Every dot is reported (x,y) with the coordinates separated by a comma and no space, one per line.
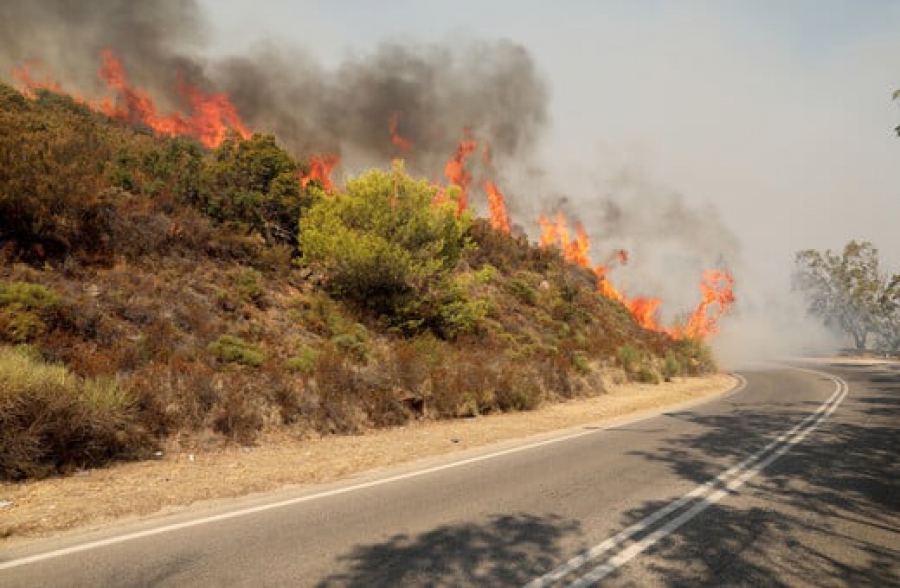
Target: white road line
(733,478)
(301,499)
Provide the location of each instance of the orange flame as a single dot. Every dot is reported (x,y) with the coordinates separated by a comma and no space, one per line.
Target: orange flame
(30,85)
(211,118)
(402,143)
(717,288)
(212,115)
(455,170)
(320,168)
(499,218)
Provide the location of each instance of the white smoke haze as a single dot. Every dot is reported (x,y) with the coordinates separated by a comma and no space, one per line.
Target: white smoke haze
(692,134)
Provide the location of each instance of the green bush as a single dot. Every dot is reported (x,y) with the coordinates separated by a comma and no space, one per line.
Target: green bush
(581,363)
(629,358)
(231,349)
(304,362)
(672,367)
(383,244)
(254,182)
(24,310)
(53,421)
(647,375)
(354,342)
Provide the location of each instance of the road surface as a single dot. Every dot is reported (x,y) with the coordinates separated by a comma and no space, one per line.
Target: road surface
(792,480)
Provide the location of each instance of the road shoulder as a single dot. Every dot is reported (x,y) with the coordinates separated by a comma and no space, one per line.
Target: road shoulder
(182,481)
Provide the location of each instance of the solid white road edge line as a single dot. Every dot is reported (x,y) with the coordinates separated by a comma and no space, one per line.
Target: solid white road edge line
(5,565)
(735,476)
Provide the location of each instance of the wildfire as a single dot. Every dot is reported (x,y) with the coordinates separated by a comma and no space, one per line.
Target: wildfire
(455,170)
(499,218)
(401,143)
(30,85)
(211,118)
(717,288)
(320,168)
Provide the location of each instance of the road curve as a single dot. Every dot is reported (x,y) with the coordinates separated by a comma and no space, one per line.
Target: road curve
(793,480)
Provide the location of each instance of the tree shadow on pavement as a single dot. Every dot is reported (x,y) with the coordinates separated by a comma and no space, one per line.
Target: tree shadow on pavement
(825,513)
(507,550)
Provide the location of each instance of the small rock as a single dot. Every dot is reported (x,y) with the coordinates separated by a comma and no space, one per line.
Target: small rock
(191,457)
(5,504)
(454,440)
(157,454)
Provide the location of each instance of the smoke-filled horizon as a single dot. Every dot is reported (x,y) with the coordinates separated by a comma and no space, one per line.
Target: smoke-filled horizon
(676,134)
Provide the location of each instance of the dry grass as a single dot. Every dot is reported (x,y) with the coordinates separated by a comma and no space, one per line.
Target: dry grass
(95,497)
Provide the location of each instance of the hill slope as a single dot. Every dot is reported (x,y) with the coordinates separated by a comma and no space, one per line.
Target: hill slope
(151,289)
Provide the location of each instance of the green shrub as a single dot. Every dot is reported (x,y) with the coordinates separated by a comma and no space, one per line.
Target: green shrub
(523,291)
(248,284)
(672,367)
(353,342)
(24,310)
(304,362)
(581,363)
(383,244)
(231,349)
(53,421)
(647,375)
(629,358)
(254,183)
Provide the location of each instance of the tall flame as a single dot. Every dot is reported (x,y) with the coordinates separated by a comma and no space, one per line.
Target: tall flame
(499,218)
(455,170)
(212,116)
(320,168)
(717,289)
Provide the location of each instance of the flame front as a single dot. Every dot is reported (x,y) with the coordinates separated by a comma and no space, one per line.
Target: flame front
(455,170)
(717,289)
(211,118)
(498,218)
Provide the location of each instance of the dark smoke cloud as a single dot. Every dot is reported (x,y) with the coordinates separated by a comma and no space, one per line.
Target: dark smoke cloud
(437,90)
(154,38)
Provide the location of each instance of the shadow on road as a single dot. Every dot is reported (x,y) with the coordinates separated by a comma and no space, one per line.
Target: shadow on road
(508,550)
(826,513)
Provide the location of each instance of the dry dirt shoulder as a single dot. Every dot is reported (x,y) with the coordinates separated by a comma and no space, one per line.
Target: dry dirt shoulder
(93,498)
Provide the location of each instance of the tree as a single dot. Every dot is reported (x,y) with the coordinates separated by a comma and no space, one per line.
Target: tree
(887,324)
(255,182)
(849,290)
(384,244)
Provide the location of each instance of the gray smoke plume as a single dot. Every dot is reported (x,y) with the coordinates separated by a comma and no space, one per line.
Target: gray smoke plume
(436,91)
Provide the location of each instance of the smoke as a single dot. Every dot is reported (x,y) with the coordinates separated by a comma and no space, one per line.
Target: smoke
(435,90)
(155,39)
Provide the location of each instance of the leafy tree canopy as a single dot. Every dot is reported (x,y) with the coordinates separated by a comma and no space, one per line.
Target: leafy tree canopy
(850,292)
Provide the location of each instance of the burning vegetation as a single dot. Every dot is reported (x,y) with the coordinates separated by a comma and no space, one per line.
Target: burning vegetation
(226,285)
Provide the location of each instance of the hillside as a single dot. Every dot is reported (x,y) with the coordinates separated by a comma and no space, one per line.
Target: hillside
(154,288)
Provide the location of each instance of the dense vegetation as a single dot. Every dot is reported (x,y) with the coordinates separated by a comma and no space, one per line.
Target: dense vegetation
(156,292)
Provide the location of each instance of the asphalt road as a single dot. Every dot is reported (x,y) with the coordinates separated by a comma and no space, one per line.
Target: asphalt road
(792,481)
